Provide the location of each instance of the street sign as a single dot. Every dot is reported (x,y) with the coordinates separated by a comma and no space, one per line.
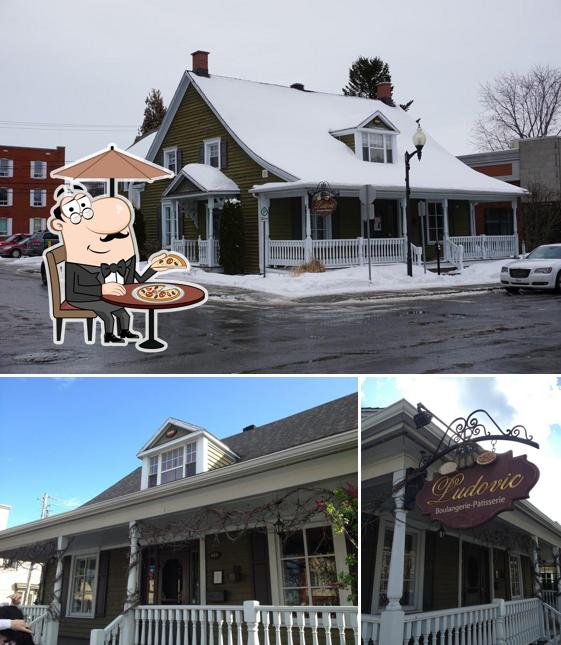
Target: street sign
(264,214)
(367,195)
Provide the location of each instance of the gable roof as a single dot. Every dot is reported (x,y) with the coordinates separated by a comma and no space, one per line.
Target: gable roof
(334,417)
(205,178)
(289,132)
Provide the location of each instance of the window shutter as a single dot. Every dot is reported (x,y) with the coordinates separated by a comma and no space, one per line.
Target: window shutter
(179,160)
(43,197)
(31,225)
(44,169)
(11,167)
(102,584)
(10,196)
(43,223)
(223,153)
(31,169)
(9,228)
(202,153)
(31,197)
(65,582)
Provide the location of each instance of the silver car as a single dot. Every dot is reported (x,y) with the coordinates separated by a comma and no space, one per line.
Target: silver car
(540,269)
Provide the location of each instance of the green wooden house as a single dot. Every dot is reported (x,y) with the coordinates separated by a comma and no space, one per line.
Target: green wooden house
(271,146)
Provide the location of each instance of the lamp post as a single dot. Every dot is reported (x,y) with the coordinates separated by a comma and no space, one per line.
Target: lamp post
(419,140)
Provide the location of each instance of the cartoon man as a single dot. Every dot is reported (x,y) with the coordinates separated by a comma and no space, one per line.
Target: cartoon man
(101,255)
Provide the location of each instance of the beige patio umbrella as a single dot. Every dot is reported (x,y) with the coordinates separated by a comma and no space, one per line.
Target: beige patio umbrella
(112,164)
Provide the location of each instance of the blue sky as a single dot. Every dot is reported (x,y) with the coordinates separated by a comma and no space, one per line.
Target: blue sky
(74,437)
(533,401)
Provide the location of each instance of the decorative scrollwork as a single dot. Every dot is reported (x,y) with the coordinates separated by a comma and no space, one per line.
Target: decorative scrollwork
(464,428)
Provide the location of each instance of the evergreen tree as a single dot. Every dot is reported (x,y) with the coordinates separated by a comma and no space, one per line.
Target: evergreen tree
(154,113)
(232,237)
(365,74)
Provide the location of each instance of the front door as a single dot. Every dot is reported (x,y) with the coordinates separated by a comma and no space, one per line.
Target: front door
(171,576)
(475,575)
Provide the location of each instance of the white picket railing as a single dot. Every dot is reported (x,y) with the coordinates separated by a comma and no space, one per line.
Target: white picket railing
(308,625)
(39,627)
(454,253)
(523,621)
(552,623)
(370,629)
(385,250)
(487,247)
(416,254)
(286,253)
(209,252)
(550,597)
(189,248)
(31,612)
(247,624)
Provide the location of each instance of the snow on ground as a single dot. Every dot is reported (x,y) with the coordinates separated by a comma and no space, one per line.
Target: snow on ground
(392,277)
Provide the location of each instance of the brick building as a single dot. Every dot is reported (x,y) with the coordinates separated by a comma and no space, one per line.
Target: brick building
(26,187)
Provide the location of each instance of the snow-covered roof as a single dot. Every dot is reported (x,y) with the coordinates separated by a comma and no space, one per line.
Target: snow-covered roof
(289,131)
(205,178)
(141,147)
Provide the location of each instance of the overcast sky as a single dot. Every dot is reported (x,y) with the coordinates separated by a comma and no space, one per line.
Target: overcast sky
(533,401)
(92,63)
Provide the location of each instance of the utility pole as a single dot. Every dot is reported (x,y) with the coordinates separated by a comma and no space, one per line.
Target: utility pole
(44,514)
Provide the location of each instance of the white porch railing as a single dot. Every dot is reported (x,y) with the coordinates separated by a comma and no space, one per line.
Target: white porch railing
(550,597)
(286,253)
(454,253)
(523,621)
(552,624)
(247,624)
(31,612)
(487,247)
(370,629)
(39,626)
(337,253)
(189,248)
(209,252)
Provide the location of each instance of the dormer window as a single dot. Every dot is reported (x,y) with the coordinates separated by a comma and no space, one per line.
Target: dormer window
(212,152)
(377,147)
(170,159)
(172,465)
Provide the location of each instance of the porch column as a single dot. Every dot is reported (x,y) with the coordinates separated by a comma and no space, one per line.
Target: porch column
(445,218)
(391,625)
(515,223)
(472,227)
(557,565)
(55,607)
(132,598)
(308,246)
(538,592)
(403,218)
(263,202)
(274,559)
(202,571)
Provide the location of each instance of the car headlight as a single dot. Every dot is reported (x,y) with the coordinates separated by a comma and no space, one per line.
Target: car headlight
(504,270)
(543,270)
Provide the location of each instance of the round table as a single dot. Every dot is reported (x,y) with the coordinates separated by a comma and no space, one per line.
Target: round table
(193,296)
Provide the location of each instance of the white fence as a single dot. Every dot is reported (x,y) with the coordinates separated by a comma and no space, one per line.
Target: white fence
(523,621)
(486,247)
(454,253)
(197,251)
(247,624)
(552,624)
(370,629)
(189,248)
(286,253)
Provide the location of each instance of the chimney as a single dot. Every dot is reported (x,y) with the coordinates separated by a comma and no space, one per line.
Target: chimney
(298,86)
(384,92)
(248,428)
(200,62)
(4,514)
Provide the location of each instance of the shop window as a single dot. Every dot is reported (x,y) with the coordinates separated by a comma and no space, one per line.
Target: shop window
(515,570)
(309,572)
(409,597)
(435,222)
(498,221)
(82,587)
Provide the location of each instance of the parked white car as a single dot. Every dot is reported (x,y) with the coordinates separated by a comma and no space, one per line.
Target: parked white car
(540,269)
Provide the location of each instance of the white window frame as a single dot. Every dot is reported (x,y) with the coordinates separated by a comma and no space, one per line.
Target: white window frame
(516,557)
(169,229)
(8,221)
(189,456)
(43,171)
(314,219)
(419,534)
(10,197)
(33,223)
(82,556)
(430,238)
(386,137)
(10,170)
(209,142)
(43,194)
(167,155)
(339,554)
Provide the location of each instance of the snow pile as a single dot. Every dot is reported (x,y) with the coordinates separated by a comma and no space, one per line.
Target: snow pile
(208,178)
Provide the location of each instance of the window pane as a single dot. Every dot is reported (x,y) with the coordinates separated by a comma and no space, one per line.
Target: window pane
(320,540)
(293,543)
(296,596)
(3,226)
(325,596)
(83,586)
(294,572)
(3,196)
(190,453)
(322,571)
(152,480)
(172,475)
(389,150)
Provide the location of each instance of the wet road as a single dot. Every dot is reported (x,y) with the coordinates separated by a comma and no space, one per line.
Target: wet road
(473,332)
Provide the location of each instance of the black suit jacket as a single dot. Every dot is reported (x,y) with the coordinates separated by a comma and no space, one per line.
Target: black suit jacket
(83,282)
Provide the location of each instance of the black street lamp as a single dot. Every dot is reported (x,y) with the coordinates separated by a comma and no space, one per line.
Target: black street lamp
(419,140)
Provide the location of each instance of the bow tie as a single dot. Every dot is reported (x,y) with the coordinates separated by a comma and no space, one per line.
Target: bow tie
(120,267)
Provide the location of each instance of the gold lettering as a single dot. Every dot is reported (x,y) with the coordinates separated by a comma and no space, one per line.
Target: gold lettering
(516,481)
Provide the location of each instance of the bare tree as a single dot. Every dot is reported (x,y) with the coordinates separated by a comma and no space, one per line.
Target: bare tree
(519,106)
(542,216)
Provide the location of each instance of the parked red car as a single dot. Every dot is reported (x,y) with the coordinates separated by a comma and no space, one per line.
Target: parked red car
(14,245)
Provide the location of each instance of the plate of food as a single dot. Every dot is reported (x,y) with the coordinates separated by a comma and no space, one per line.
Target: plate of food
(154,292)
(171,261)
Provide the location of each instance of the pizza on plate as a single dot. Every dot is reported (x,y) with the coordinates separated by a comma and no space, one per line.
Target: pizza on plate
(171,261)
(158,293)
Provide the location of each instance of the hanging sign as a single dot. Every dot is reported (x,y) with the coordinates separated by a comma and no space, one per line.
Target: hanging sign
(324,201)
(472,496)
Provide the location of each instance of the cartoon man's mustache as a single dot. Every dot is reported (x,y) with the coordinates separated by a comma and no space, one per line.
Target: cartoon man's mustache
(114,236)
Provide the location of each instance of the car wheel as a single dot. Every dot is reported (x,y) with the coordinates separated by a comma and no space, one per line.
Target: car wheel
(512,290)
(558,283)
(16,253)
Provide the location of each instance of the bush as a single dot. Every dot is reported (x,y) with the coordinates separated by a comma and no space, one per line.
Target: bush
(232,237)
(313,266)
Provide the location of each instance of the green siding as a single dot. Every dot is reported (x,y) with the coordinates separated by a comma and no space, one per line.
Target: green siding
(349,217)
(280,218)
(194,122)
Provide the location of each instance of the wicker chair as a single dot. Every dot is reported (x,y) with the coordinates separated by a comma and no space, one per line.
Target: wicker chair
(62,310)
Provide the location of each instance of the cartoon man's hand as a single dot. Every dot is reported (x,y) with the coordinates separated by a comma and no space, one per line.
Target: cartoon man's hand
(113,289)
(155,262)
